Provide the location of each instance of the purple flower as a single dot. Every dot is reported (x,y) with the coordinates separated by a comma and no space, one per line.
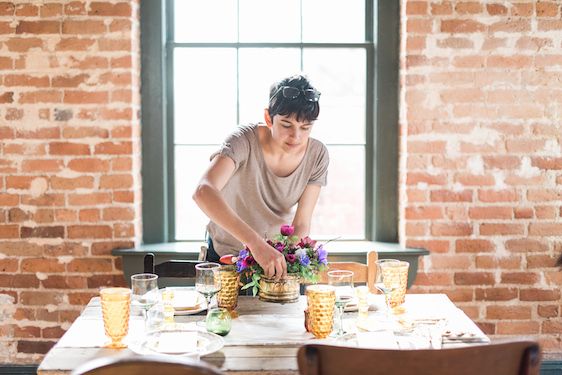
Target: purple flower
(307,242)
(280,246)
(291,258)
(243,254)
(322,255)
(287,230)
(304,260)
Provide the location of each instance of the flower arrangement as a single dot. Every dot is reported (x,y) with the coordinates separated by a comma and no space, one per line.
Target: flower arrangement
(303,258)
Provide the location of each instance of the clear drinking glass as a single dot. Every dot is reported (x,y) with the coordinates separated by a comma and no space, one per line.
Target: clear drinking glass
(343,282)
(386,285)
(208,281)
(145,293)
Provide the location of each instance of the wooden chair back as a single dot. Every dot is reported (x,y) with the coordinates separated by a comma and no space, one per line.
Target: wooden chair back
(362,273)
(171,268)
(510,358)
(146,365)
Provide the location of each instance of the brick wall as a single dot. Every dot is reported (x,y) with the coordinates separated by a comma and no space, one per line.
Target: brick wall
(69,162)
(481,160)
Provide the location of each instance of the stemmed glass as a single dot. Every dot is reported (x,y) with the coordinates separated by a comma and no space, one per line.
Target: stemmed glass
(144,292)
(343,282)
(386,285)
(208,281)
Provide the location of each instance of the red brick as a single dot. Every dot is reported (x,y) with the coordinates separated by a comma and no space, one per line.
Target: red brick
(83,27)
(122,163)
(105,248)
(116,213)
(89,215)
(27,10)
(41,298)
(8,265)
(495,294)
(461,26)
(494,212)
(89,199)
(123,196)
(19,281)
(536,294)
(434,278)
(434,246)
(9,231)
(89,231)
(106,9)
(547,311)
(75,44)
(9,199)
(50,10)
(547,9)
(493,196)
(451,229)
(517,328)
(42,165)
(114,148)
(86,182)
(519,278)
(492,229)
(38,27)
(7,8)
(52,332)
(424,213)
(97,281)
(547,163)
(545,229)
(64,282)
(451,196)
(85,132)
(85,97)
(75,8)
(119,181)
(508,312)
(89,165)
(496,9)
(523,213)
(90,265)
(474,278)
(47,265)
(67,148)
(69,80)
(66,248)
(473,246)
(525,245)
(34,347)
(42,232)
(122,230)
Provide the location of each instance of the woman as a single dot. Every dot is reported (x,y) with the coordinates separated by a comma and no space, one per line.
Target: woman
(261,172)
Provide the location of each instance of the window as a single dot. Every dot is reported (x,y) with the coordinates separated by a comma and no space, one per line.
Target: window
(215,72)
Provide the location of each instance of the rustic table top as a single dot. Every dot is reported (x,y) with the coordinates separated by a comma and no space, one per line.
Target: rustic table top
(265,336)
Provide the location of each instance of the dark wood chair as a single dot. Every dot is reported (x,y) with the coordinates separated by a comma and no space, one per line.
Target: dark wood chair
(146,365)
(510,358)
(170,268)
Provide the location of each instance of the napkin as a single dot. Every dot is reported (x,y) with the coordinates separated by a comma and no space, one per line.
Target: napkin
(186,299)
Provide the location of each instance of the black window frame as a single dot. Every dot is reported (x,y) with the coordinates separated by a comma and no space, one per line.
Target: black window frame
(382,121)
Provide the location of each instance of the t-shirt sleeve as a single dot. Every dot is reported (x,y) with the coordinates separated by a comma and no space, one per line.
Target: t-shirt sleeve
(236,146)
(319,174)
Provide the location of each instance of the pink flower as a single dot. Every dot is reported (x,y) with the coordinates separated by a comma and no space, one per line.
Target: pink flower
(291,258)
(287,230)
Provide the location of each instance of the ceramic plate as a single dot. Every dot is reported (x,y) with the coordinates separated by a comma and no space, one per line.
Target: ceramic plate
(187,301)
(178,342)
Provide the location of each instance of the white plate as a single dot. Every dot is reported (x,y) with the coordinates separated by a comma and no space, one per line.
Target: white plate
(178,341)
(187,294)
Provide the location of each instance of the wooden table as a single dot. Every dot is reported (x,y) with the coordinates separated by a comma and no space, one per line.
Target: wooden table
(264,339)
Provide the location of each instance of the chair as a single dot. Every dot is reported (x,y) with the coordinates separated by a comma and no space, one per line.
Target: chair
(510,358)
(362,273)
(145,365)
(170,268)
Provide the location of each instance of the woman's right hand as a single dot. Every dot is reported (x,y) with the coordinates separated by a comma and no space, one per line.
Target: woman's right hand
(272,261)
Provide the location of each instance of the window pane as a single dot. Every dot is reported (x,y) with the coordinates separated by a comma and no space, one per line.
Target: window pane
(256,77)
(199,21)
(341,207)
(190,163)
(270,21)
(204,94)
(333,21)
(340,75)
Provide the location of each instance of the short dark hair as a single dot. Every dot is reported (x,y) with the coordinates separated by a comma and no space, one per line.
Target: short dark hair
(303,109)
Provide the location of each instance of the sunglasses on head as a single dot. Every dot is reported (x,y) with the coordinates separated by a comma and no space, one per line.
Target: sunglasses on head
(289,92)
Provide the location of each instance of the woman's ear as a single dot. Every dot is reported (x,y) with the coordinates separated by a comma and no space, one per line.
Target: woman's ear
(267,118)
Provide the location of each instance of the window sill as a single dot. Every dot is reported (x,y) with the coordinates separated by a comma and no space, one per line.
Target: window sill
(339,251)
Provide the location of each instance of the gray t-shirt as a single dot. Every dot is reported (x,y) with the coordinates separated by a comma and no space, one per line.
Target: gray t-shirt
(262,199)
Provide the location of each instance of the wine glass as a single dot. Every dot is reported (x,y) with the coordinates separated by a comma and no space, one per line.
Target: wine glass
(343,282)
(144,292)
(208,281)
(385,284)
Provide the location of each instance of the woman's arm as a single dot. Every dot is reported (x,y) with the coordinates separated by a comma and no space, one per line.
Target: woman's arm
(305,208)
(208,197)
